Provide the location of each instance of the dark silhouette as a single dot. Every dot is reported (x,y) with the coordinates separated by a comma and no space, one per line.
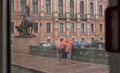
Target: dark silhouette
(26,26)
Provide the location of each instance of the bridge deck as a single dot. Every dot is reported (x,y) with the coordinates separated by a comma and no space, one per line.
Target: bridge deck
(52,65)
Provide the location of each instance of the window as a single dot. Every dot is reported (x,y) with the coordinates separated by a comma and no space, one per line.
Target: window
(100,10)
(60,3)
(92,39)
(91,9)
(71,8)
(35,6)
(35,28)
(72,27)
(81,8)
(101,27)
(48,6)
(49,40)
(61,27)
(101,38)
(22,5)
(12,6)
(92,27)
(48,27)
(83,39)
(61,39)
(73,39)
(12,27)
(82,28)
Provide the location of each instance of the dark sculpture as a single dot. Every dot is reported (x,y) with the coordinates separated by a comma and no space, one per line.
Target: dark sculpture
(26,26)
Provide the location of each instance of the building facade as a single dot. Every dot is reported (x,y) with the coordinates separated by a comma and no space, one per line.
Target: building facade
(81,20)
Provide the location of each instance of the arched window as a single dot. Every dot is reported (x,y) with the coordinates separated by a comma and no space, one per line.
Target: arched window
(48,6)
(12,6)
(92,39)
(61,27)
(100,10)
(48,27)
(60,4)
(61,39)
(71,8)
(83,39)
(81,8)
(92,27)
(91,9)
(73,39)
(35,6)
(48,40)
(72,27)
(101,38)
(101,27)
(82,28)
(22,5)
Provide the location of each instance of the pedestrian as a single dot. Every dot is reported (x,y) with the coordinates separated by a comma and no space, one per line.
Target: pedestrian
(69,49)
(59,51)
(64,43)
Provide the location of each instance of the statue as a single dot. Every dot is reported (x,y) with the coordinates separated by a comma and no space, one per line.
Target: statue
(26,26)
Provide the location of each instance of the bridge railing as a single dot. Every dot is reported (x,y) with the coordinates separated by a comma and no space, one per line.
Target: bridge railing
(90,55)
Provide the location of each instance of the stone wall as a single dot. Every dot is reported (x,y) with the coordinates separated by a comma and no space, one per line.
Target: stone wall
(21,45)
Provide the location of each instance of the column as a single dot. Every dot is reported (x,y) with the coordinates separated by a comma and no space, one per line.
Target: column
(55,5)
(96,8)
(88,8)
(78,28)
(67,8)
(39,6)
(88,31)
(68,28)
(55,8)
(42,7)
(56,28)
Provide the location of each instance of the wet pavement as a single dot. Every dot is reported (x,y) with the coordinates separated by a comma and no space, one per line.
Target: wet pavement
(52,65)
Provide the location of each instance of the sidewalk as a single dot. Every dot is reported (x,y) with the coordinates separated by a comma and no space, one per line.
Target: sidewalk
(52,65)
